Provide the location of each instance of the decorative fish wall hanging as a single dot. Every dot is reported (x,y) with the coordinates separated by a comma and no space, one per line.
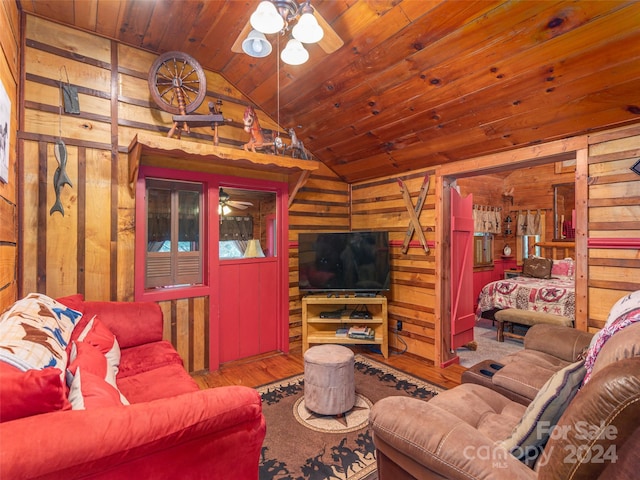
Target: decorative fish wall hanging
(60,177)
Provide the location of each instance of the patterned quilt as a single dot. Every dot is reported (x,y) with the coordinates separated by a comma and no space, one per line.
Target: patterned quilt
(556,296)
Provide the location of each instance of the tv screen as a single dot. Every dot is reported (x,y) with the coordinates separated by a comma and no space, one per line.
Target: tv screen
(343,262)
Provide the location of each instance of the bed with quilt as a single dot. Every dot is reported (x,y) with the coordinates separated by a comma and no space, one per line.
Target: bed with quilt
(545,286)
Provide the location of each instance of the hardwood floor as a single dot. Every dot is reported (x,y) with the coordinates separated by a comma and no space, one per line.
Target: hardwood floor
(267,368)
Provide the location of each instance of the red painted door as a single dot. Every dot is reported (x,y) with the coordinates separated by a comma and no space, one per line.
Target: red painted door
(248,308)
(462,314)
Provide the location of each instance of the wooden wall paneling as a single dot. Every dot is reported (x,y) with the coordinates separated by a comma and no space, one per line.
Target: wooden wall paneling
(61,260)
(125,249)
(613,193)
(96,233)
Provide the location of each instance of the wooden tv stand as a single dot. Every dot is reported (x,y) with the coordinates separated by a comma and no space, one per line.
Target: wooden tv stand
(318,330)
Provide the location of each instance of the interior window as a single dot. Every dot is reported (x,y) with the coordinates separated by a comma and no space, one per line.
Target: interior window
(247,223)
(174,223)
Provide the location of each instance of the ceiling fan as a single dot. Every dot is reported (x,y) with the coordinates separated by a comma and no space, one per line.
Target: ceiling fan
(225,201)
(290,10)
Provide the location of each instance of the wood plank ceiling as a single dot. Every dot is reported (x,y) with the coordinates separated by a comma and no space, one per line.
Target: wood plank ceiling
(417,82)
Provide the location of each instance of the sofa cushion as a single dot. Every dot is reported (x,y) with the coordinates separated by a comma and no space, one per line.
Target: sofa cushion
(23,394)
(133,323)
(161,382)
(524,378)
(624,344)
(90,391)
(146,357)
(35,331)
(99,336)
(532,432)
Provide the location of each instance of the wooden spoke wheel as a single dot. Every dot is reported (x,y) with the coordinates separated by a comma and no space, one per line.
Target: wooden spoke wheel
(177,83)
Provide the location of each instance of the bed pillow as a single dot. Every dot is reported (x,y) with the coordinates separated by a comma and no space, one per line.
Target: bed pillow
(537,267)
(33,392)
(97,334)
(532,432)
(563,268)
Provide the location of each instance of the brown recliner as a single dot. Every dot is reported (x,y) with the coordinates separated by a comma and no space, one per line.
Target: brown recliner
(519,375)
(458,433)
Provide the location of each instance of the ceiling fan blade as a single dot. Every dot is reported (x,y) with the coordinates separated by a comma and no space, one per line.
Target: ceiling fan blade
(238,205)
(237,45)
(331,41)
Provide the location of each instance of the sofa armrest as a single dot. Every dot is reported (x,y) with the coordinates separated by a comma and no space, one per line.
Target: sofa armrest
(203,434)
(423,438)
(562,342)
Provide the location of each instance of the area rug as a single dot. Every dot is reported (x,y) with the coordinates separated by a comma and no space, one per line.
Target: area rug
(301,445)
(488,346)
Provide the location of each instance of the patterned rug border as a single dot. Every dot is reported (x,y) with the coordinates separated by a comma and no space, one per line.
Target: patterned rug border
(410,384)
(372,363)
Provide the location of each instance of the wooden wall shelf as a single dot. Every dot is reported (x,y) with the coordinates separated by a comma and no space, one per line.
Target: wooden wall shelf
(181,154)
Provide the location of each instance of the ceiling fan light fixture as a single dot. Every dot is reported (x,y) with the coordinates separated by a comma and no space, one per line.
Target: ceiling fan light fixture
(307,30)
(256,45)
(294,53)
(266,18)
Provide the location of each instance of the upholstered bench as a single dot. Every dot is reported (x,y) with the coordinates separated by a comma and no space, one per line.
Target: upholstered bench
(329,379)
(528,318)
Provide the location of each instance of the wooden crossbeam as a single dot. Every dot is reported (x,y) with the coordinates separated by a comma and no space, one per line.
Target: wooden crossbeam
(414,212)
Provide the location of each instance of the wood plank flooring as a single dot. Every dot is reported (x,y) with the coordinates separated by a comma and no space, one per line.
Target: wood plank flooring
(267,368)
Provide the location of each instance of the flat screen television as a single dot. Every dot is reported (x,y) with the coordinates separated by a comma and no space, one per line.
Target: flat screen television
(343,262)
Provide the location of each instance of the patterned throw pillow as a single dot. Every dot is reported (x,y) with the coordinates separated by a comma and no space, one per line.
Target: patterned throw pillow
(89,391)
(532,433)
(35,331)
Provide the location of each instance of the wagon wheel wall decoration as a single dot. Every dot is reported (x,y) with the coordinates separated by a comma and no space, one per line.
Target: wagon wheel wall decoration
(178,85)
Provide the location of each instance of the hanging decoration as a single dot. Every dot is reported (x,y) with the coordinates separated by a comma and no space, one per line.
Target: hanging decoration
(60,177)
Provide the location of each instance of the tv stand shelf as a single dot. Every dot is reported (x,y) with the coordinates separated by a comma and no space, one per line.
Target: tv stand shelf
(317,330)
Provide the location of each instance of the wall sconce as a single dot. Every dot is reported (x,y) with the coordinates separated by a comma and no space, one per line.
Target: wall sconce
(253,249)
(507,228)
(636,167)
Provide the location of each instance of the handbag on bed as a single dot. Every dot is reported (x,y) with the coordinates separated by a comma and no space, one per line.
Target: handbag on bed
(537,267)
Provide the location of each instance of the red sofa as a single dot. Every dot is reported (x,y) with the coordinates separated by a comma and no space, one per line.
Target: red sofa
(171,429)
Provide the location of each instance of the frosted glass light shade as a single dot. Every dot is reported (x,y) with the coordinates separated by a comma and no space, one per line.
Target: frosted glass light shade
(294,53)
(256,45)
(253,249)
(307,30)
(266,18)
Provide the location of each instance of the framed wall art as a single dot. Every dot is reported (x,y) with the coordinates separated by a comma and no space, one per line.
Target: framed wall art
(5,128)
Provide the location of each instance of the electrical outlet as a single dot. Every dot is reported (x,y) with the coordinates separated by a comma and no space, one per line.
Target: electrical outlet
(399,325)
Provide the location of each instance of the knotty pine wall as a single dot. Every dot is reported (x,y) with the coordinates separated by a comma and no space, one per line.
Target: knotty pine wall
(9,78)
(378,205)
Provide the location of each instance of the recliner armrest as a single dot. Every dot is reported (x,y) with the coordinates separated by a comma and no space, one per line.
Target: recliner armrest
(560,341)
(423,437)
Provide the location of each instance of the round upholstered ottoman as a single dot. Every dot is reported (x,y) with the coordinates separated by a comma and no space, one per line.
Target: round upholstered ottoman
(329,386)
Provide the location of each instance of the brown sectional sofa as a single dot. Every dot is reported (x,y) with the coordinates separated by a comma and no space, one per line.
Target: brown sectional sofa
(473,432)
